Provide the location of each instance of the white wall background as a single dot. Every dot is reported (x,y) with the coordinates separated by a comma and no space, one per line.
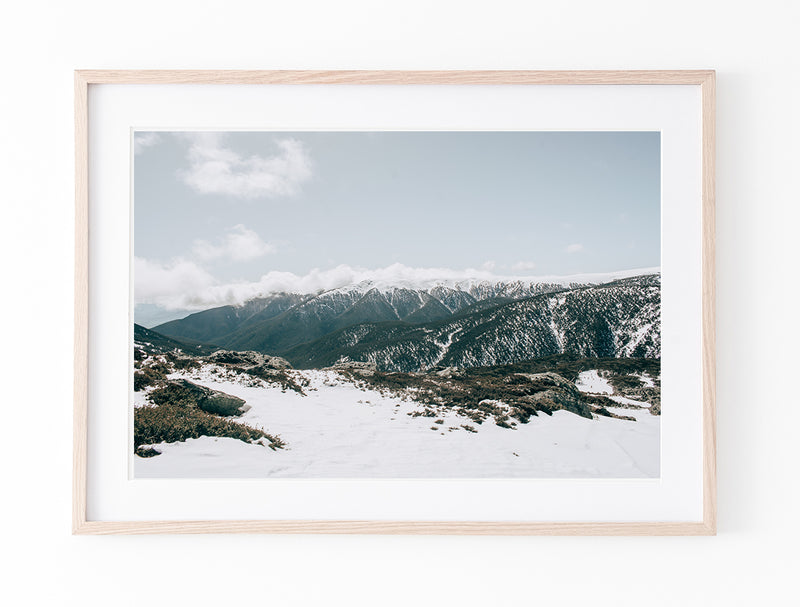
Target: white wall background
(755,51)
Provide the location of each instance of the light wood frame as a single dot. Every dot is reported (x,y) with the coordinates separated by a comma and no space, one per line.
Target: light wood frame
(705,79)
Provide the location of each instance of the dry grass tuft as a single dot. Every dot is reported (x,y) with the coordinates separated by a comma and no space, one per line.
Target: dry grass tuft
(171,423)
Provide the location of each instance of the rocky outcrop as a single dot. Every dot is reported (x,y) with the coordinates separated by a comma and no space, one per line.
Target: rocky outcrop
(551,380)
(214,401)
(554,393)
(555,400)
(448,372)
(248,358)
(360,368)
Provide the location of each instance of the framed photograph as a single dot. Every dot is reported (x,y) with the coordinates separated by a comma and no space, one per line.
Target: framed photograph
(394,302)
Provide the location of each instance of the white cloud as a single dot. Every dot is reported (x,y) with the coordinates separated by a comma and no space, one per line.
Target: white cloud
(574,248)
(142,141)
(170,285)
(523,266)
(238,244)
(216,169)
(340,276)
(488,265)
(183,285)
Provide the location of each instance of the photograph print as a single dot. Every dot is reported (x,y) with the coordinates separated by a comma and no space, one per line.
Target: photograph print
(382,304)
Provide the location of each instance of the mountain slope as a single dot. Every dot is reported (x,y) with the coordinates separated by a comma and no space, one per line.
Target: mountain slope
(212,325)
(618,319)
(155,342)
(279,322)
(301,323)
(460,324)
(432,310)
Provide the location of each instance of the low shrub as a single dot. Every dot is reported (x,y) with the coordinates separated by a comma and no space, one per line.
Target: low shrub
(170,423)
(472,391)
(160,367)
(148,376)
(173,393)
(185,364)
(625,382)
(274,376)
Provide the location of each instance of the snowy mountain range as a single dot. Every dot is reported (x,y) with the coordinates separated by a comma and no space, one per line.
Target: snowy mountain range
(407,327)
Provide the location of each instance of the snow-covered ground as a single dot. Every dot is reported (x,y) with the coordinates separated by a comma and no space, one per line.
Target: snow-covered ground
(339,430)
(591,382)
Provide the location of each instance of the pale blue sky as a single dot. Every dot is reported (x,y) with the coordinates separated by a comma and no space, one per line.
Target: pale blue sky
(235,206)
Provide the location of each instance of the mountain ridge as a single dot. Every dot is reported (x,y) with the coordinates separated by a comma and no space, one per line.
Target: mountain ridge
(403,329)
(618,319)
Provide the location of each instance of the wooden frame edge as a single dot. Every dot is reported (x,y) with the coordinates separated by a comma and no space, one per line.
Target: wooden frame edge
(706,79)
(494,528)
(80,430)
(708,96)
(394,77)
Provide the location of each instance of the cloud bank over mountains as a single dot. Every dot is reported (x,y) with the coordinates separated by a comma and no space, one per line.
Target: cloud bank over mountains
(182,284)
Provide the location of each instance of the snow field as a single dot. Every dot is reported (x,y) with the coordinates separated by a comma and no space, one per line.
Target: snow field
(340,431)
(591,382)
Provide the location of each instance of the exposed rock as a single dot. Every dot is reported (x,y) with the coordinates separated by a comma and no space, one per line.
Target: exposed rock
(264,371)
(563,394)
(552,379)
(248,358)
(214,401)
(143,451)
(448,372)
(353,366)
(606,413)
(275,362)
(556,399)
